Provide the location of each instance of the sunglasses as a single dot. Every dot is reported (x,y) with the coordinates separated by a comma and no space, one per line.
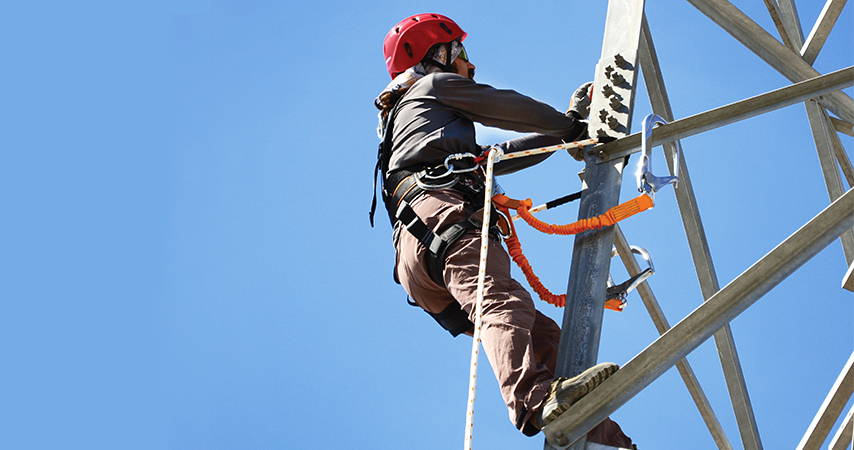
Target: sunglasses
(463,54)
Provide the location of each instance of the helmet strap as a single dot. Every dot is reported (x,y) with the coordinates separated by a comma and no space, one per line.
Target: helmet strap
(446,67)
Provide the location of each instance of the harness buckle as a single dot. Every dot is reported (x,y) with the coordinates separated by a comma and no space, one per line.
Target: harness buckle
(422,175)
(647,182)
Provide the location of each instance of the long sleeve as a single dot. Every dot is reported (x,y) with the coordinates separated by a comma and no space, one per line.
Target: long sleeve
(502,108)
(436,119)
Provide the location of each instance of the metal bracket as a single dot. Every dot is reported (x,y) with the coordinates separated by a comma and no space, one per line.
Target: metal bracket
(647,182)
(617,293)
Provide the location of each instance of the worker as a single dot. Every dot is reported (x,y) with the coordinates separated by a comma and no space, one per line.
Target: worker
(427,114)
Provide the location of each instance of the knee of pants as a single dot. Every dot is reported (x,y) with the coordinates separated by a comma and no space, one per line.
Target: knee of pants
(504,298)
(509,307)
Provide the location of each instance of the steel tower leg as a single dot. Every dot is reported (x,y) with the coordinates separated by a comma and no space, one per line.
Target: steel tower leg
(610,116)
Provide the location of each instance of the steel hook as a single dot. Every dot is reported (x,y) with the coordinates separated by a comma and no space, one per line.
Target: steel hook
(616,294)
(647,182)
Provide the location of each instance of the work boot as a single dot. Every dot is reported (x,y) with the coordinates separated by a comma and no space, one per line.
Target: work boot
(565,392)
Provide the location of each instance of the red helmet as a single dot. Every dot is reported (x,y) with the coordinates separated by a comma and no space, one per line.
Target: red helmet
(407,43)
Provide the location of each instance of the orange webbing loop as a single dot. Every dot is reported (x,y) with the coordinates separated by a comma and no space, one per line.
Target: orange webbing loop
(514,248)
(614,215)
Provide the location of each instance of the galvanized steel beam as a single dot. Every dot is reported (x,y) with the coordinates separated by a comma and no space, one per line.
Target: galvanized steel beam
(843,126)
(830,410)
(591,253)
(788,63)
(734,112)
(774,11)
(792,22)
(842,439)
(848,279)
(700,253)
(817,37)
(698,326)
(662,325)
(824,136)
(842,157)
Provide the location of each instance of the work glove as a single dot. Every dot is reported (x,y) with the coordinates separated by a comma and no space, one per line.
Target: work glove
(580,102)
(576,153)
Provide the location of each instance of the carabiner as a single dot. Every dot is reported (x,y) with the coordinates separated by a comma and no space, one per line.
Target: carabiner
(449,168)
(647,182)
(616,295)
(459,157)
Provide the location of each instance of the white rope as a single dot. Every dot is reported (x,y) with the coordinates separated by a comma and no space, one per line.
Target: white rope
(538,151)
(553,148)
(495,153)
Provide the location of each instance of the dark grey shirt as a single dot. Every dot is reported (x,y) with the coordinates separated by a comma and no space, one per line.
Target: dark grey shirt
(435,118)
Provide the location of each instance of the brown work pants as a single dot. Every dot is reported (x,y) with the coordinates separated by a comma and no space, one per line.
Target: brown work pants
(520,342)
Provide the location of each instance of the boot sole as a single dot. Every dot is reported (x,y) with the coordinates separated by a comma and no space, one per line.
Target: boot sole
(578,387)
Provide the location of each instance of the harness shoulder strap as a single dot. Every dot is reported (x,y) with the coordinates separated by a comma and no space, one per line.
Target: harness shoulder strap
(453,318)
(383,157)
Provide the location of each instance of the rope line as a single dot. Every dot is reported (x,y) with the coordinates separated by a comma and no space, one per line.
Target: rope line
(481,281)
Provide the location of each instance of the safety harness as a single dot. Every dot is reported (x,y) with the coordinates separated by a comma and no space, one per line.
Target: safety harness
(408,184)
(401,187)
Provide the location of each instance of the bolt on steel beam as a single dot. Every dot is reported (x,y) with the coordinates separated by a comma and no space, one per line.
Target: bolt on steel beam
(591,253)
(734,112)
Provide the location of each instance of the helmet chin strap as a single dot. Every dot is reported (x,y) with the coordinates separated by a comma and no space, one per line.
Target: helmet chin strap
(451,50)
(442,67)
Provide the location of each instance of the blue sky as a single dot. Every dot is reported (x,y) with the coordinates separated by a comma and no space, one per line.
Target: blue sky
(187,261)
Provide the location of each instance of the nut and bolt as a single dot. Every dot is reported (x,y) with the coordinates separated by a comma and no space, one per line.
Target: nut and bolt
(607,90)
(615,103)
(561,439)
(617,78)
(621,62)
(613,123)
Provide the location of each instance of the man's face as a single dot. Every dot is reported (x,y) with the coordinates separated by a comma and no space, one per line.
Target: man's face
(464,68)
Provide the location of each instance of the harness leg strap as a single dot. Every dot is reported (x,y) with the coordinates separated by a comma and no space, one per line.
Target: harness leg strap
(453,318)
